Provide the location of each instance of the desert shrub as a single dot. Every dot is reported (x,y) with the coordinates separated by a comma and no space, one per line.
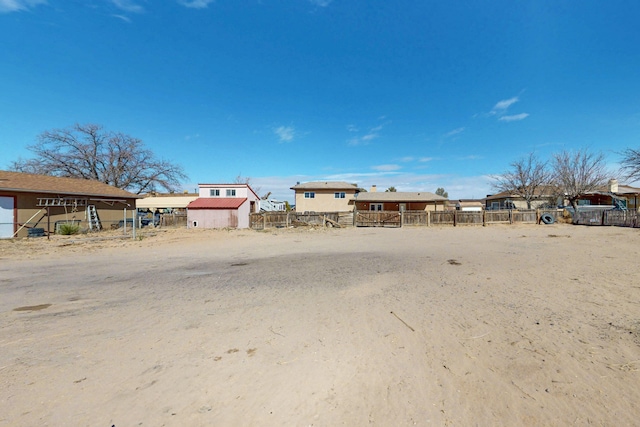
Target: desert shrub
(68,229)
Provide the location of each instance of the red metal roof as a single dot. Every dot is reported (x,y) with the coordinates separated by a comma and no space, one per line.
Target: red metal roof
(216,203)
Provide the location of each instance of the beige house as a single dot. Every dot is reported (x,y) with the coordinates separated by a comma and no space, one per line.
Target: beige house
(324,196)
(30,203)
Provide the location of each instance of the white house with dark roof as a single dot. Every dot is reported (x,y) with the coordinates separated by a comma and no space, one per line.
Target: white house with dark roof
(222,206)
(324,196)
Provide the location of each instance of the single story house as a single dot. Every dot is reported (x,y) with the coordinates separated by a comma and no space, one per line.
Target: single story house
(42,202)
(507,200)
(398,201)
(614,194)
(166,202)
(324,196)
(222,206)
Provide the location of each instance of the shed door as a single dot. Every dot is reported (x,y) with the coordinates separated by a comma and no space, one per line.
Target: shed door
(6,217)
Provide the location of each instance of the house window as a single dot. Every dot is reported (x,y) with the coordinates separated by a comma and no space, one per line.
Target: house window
(375,207)
(231,193)
(339,195)
(214,193)
(584,202)
(309,195)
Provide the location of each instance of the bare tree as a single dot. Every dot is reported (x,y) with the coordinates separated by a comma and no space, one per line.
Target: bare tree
(526,178)
(90,152)
(576,173)
(631,164)
(248,180)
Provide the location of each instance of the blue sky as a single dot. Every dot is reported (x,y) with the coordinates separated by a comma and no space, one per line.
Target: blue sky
(412,94)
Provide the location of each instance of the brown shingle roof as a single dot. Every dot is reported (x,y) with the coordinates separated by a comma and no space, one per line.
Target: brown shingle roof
(31,183)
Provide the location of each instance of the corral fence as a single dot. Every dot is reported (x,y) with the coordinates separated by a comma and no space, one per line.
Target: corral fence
(264,220)
(612,217)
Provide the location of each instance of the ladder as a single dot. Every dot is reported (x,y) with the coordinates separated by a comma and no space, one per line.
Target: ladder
(92,216)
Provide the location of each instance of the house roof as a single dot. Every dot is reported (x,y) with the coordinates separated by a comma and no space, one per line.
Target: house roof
(32,183)
(325,185)
(399,196)
(541,192)
(217,203)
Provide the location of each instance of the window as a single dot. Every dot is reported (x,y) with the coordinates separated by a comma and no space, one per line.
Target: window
(339,195)
(309,195)
(231,193)
(375,207)
(214,192)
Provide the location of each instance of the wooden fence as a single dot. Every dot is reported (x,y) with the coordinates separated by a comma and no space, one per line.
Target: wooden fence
(261,221)
(612,217)
(396,219)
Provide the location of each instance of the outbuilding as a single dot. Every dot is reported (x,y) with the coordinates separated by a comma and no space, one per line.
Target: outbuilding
(36,205)
(222,206)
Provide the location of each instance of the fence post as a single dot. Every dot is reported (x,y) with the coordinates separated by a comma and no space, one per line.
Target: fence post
(401,218)
(428,218)
(264,220)
(484,218)
(455,217)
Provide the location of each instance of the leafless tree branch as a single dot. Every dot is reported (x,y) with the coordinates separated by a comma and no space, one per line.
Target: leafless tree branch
(90,152)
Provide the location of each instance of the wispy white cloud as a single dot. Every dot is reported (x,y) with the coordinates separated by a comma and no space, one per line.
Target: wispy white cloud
(471,157)
(425,159)
(122,17)
(128,6)
(285,133)
(514,118)
(372,134)
(502,106)
(7,6)
(386,168)
(196,4)
(406,159)
(454,132)
(321,3)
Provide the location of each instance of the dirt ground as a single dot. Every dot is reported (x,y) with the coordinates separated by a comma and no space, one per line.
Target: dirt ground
(501,326)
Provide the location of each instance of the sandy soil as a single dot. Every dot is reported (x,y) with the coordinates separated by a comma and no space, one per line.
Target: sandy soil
(501,326)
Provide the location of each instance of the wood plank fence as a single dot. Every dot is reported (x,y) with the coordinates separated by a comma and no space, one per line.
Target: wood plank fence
(396,219)
(612,217)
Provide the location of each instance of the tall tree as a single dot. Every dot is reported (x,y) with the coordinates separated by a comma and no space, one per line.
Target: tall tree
(631,164)
(90,152)
(526,178)
(440,192)
(576,173)
(391,189)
